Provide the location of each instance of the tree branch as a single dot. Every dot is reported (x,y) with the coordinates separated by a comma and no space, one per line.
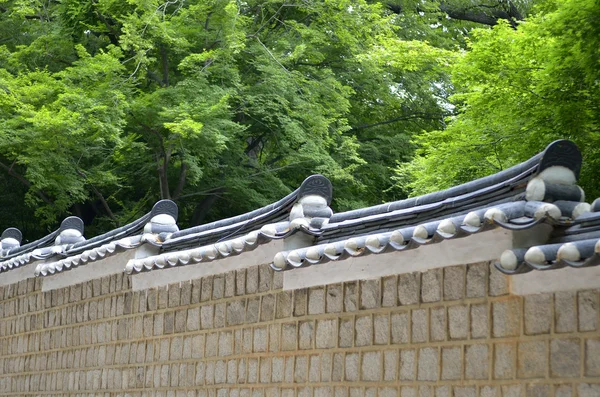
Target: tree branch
(24,181)
(425,116)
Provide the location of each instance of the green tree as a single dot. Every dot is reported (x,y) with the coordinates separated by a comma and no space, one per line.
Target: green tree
(516,90)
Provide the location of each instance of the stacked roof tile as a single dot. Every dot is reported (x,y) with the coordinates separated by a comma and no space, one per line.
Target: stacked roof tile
(541,190)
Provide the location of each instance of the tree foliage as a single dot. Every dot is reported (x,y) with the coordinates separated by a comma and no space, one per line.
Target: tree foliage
(516,90)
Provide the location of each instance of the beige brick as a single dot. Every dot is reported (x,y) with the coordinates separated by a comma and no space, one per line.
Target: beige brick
(537,390)
(538,314)
(408,364)
(442,391)
(390,292)
(277,370)
(230,284)
(337,370)
(390,365)
(218,290)
(408,391)
(334,299)
(513,391)
(371,369)
(306,335)
(426,391)
(326,334)
(274,337)
(236,311)
(206,316)
(451,363)
(283,305)
(316,300)
(498,282)
(252,310)
(265,370)
(588,390)
(193,319)
(588,310)
(564,358)
(264,278)
(363,331)
(454,282)
(592,357)
(253,369)
(346,332)
(476,362)
(458,322)
(504,360)
(326,364)
(408,288)
(563,391)
(180,320)
(437,324)
(212,344)
(240,282)
(428,364)
(252,280)
(206,291)
(300,302)
(533,359)
(506,318)
(489,391)
(400,327)
(431,286)
(350,297)
(260,339)
(267,308)
(465,391)
(381,324)
(370,297)
(479,321)
(419,325)
(565,308)
(352,367)
(289,337)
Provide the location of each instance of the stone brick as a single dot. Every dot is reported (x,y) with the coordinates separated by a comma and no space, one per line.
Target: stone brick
(316,300)
(206,316)
(334,298)
(428,364)
(408,391)
(442,391)
(419,326)
(253,368)
(236,311)
(193,319)
(277,282)
(563,391)
(218,286)
(400,327)
(565,309)
(498,282)
(350,297)
(206,292)
(265,369)
(267,308)
(283,304)
(212,344)
(326,334)
(588,310)
(489,391)
(363,331)
(289,337)
(169,322)
(274,337)
(454,282)
(390,365)
(252,310)
(426,391)
(465,391)
(326,364)
(306,335)
(390,292)
(458,322)
(538,314)
(437,324)
(352,368)
(476,362)
(225,343)
(592,357)
(479,321)
(504,360)
(264,278)
(506,318)
(537,390)
(431,286)
(451,363)
(564,358)
(408,288)
(260,339)
(408,365)
(230,284)
(300,302)
(180,320)
(512,391)
(370,297)
(371,366)
(476,280)
(240,282)
(533,359)
(252,280)
(381,324)
(337,370)
(588,390)
(346,334)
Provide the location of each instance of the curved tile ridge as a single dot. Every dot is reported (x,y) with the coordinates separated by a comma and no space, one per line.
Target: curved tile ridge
(513,216)
(223,249)
(576,254)
(316,191)
(560,154)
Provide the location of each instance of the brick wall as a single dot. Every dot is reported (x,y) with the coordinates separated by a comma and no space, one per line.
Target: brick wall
(446,332)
